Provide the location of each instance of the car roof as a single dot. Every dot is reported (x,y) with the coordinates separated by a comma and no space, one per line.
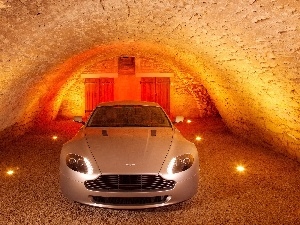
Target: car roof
(144,103)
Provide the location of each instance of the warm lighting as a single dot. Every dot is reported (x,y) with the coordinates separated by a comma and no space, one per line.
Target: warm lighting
(54,137)
(198,138)
(10,172)
(188,121)
(240,168)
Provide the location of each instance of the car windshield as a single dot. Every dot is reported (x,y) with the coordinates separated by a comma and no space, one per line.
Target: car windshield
(128,116)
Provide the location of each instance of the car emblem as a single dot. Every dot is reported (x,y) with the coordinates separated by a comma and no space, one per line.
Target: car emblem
(130,164)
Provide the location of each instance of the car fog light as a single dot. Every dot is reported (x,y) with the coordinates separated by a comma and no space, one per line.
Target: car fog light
(168,198)
(79,163)
(180,163)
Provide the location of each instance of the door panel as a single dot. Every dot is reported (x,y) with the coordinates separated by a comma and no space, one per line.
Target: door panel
(106,90)
(163,93)
(91,94)
(156,89)
(148,89)
(96,91)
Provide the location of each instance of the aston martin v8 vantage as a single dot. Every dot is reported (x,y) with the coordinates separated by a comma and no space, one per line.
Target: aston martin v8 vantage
(128,155)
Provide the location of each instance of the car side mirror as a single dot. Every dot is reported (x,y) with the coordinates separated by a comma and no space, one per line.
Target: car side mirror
(78,119)
(179,119)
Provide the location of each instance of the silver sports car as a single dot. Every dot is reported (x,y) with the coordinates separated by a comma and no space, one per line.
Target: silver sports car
(128,155)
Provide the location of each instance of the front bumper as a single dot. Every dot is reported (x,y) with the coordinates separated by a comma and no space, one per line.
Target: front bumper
(76,191)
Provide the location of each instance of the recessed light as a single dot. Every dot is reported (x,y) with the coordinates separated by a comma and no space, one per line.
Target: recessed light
(240,168)
(198,138)
(10,172)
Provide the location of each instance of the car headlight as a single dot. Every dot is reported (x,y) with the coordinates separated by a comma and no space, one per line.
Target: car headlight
(180,163)
(79,163)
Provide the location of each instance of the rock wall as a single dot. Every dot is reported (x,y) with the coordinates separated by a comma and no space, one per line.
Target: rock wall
(244,53)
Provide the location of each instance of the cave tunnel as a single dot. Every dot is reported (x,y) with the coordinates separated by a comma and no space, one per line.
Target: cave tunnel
(243,67)
(213,60)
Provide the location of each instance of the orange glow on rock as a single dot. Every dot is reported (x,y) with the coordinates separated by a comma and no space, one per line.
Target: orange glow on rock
(59,92)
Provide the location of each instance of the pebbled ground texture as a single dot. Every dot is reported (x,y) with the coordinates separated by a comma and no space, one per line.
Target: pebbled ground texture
(267,192)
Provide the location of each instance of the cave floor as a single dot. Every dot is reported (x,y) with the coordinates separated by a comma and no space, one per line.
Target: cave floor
(267,192)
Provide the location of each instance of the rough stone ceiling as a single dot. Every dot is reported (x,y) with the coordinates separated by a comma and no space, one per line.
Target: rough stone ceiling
(246,53)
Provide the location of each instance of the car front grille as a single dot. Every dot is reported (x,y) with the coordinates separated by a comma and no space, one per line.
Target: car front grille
(124,183)
(129,200)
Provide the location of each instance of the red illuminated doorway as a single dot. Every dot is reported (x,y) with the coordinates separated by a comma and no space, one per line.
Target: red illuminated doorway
(156,89)
(98,90)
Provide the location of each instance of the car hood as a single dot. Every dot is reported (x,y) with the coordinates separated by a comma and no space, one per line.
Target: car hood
(129,150)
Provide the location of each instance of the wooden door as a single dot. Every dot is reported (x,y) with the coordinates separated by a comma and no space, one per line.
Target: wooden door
(97,90)
(162,88)
(148,91)
(91,94)
(156,89)
(106,90)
